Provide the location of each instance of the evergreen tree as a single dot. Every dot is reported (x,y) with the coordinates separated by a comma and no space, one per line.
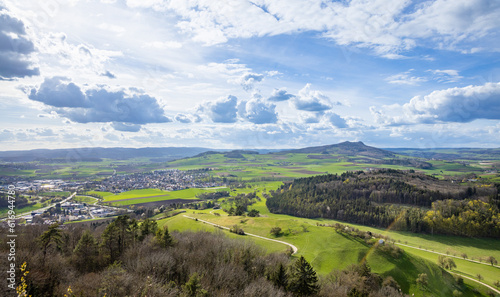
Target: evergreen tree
(51,237)
(85,253)
(164,237)
(303,279)
(280,277)
(110,244)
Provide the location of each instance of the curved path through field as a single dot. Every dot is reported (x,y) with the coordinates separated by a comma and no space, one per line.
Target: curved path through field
(294,248)
(472,279)
(417,248)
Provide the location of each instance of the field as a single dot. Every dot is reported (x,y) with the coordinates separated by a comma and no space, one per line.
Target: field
(143,196)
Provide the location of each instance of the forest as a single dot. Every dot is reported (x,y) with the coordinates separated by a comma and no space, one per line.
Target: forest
(403,200)
(131,258)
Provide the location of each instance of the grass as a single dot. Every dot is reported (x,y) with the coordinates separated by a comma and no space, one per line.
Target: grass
(55,194)
(84,199)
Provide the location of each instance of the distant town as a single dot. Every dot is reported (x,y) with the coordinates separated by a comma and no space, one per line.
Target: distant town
(63,209)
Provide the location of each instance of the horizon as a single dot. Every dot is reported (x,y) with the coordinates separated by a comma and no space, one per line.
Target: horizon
(249,74)
(243,148)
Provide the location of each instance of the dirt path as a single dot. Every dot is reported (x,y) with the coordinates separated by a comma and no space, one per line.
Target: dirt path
(294,248)
(472,279)
(474,261)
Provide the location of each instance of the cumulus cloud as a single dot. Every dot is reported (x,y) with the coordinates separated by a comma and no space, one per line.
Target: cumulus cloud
(280,95)
(259,112)
(223,110)
(309,100)
(450,105)
(248,80)
(182,118)
(336,120)
(15,48)
(59,92)
(98,104)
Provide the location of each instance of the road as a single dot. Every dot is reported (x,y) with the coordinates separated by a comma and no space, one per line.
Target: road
(472,279)
(294,248)
(413,247)
(28,214)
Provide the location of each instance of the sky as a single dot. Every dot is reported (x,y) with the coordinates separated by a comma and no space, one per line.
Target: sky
(249,74)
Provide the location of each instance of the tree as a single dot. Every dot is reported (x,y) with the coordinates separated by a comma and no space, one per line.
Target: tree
(280,277)
(85,253)
(253,213)
(303,279)
(479,276)
(51,237)
(464,255)
(492,260)
(422,280)
(446,263)
(148,226)
(193,287)
(497,284)
(449,264)
(276,231)
(110,244)
(164,237)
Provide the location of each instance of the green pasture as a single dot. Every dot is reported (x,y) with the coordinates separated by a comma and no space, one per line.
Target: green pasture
(55,194)
(84,199)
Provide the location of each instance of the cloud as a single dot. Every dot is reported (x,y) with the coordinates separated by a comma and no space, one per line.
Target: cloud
(248,80)
(98,104)
(15,48)
(182,118)
(126,127)
(309,100)
(259,112)
(56,92)
(108,74)
(336,120)
(163,45)
(388,28)
(405,78)
(223,110)
(280,95)
(447,76)
(460,105)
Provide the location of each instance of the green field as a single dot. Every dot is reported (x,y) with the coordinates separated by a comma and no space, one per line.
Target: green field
(153,195)
(84,199)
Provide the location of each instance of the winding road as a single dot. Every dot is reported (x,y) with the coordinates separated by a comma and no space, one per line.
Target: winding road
(294,248)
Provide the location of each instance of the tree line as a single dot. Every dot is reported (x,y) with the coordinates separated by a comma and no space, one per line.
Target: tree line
(388,198)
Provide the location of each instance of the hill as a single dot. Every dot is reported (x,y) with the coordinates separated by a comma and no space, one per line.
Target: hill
(95,154)
(344,148)
(393,198)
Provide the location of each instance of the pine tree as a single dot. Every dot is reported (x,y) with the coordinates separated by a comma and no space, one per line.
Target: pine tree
(85,253)
(164,237)
(51,237)
(303,280)
(280,277)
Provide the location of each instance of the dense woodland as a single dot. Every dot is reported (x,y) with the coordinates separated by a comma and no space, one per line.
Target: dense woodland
(131,258)
(403,200)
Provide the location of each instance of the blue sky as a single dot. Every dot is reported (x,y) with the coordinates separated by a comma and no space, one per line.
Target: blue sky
(249,74)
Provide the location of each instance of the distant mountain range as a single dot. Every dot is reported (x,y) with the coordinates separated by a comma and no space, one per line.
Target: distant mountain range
(163,154)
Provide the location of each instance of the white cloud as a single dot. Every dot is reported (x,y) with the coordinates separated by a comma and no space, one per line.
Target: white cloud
(387,27)
(450,105)
(447,76)
(163,44)
(311,100)
(405,78)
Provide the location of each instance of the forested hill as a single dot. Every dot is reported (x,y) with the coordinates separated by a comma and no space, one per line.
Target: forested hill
(345,148)
(403,200)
